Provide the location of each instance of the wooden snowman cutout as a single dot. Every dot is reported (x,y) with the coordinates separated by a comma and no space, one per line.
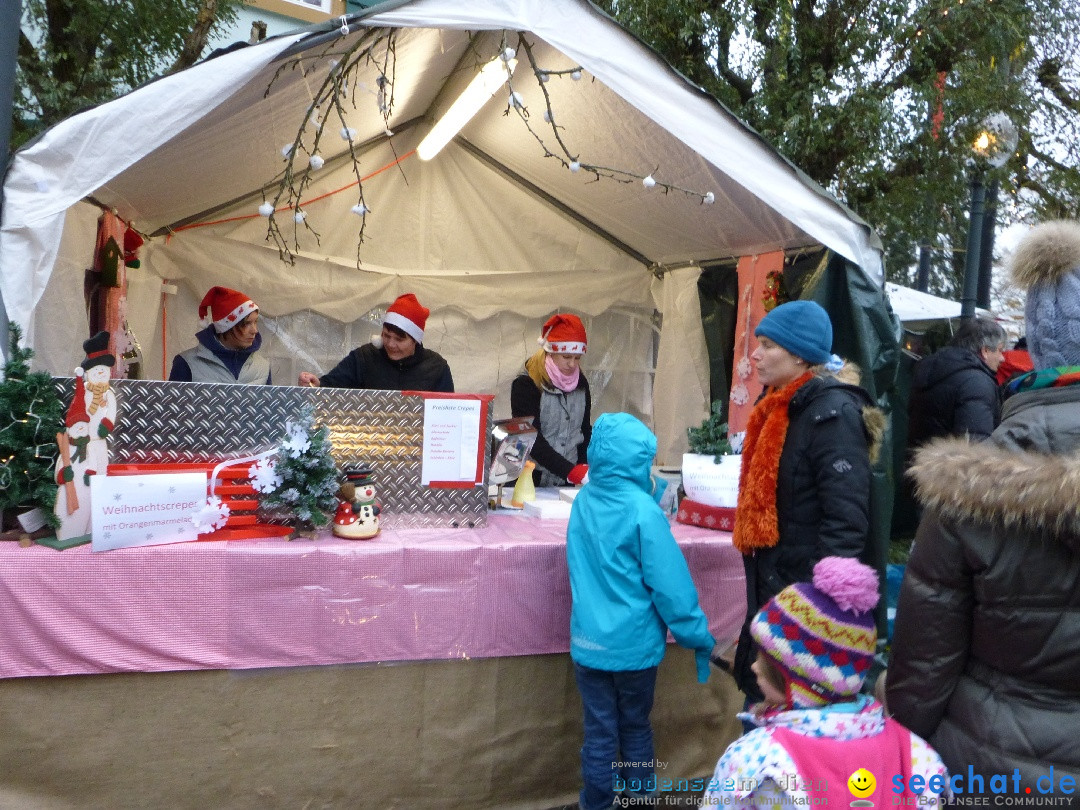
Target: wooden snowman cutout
(99,397)
(84,449)
(73,471)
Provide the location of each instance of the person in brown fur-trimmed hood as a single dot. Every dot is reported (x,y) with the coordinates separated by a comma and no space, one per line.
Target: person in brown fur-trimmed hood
(804,484)
(986,649)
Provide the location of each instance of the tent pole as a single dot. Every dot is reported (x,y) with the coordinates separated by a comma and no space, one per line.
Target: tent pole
(555,203)
(10,15)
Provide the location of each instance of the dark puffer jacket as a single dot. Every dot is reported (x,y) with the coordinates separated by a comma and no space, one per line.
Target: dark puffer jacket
(822,498)
(986,652)
(953,393)
(370,367)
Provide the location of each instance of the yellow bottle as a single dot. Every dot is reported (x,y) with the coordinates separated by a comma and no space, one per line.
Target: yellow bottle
(524,490)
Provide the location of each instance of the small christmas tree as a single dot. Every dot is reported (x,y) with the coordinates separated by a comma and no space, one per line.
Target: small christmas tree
(309,480)
(711,438)
(31,415)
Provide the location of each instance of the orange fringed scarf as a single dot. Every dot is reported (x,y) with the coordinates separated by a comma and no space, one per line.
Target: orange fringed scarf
(756,523)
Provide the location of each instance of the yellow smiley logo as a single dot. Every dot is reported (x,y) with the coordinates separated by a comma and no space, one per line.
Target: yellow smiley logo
(861,783)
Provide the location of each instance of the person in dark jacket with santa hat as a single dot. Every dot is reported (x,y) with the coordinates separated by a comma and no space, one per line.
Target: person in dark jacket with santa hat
(227,343)
(986,647)
(395,360)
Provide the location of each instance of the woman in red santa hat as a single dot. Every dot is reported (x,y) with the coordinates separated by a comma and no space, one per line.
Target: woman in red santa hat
(395,360)
(228,341)
(554,391)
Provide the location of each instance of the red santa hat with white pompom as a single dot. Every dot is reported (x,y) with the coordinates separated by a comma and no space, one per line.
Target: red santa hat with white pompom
(408,315)
(76,412)
(563,334)
(224,308)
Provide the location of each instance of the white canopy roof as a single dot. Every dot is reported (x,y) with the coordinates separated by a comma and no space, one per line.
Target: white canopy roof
(202,143)
(490,227)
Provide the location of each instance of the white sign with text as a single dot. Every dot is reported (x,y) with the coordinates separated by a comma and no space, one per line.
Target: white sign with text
(144,510)
(451,438)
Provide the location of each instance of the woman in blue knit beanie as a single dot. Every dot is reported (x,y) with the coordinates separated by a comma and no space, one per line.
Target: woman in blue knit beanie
(804,486)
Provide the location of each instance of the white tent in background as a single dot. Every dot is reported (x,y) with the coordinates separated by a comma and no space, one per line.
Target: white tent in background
(918,310)
(492,234)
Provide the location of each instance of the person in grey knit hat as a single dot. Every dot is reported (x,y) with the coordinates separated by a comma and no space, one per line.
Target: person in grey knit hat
(987,635)
(1046,263)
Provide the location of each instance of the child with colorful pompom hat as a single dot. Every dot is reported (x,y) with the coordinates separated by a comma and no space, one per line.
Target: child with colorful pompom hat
(819,740)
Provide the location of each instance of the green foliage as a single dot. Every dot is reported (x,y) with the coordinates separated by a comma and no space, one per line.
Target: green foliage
(846,90)
(31,415)
(74,54)
(309,480)
(711,439)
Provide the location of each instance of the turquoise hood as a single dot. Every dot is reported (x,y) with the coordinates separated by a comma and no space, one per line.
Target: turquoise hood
(624,449)
(629,581)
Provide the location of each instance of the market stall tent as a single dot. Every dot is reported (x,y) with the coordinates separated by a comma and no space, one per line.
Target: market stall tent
(919,310)
(494,233)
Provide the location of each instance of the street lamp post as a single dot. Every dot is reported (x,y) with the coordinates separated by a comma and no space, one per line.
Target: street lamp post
(974,242)
(994,145)
(986,246)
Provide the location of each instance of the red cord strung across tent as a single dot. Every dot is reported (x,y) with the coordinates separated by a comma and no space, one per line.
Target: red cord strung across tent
(389,165)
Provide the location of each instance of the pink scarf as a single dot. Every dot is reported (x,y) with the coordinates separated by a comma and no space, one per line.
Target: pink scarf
(564,382)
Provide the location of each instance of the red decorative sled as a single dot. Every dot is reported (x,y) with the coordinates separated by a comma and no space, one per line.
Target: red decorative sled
(233,487)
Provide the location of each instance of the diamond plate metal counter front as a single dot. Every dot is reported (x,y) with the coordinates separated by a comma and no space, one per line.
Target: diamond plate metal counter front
(162,422)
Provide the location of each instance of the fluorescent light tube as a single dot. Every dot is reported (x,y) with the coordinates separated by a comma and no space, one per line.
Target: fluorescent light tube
(491,77)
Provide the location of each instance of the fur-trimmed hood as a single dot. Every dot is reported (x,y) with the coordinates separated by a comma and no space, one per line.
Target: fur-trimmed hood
(1048,252)
(874,419)
(989,484)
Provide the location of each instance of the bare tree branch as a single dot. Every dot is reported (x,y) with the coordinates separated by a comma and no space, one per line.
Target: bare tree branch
(1049,76)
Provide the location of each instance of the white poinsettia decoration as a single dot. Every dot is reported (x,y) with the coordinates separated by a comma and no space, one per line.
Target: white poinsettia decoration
(264,475)
(212,516)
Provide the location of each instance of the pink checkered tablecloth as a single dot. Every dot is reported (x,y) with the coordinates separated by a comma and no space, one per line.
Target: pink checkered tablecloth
(408,594)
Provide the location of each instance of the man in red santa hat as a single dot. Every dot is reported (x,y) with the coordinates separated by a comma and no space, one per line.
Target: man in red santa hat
(227,343)
(395,360)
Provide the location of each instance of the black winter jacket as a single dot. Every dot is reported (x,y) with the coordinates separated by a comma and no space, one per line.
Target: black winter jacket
(370,367)
(822,498)
(986,650)
(953,393)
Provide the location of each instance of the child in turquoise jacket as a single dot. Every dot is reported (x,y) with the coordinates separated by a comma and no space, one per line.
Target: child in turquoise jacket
(630,584)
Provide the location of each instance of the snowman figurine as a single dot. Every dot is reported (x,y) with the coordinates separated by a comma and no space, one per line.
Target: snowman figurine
(345,522)
(358,513)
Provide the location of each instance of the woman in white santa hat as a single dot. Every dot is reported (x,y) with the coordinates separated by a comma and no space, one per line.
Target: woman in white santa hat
(395,360)
(227,343)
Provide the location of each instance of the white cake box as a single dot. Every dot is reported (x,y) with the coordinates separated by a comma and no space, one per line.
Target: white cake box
(710,483)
